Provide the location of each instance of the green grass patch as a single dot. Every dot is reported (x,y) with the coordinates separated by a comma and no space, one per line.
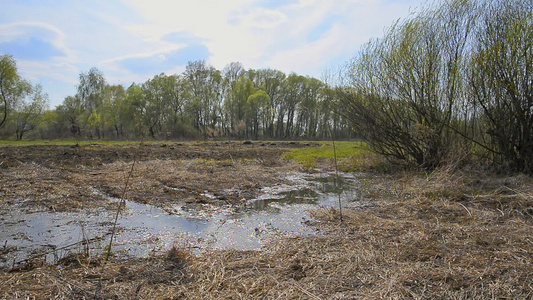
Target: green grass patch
(350,155)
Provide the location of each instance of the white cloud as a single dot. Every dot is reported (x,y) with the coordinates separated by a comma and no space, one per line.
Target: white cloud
(308,57)
(159,53)
(204,19)
(52,34)
(263,18)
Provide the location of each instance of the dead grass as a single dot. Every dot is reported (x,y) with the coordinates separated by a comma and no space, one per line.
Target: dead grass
(163,182)
(35,187)
(437,236)
(69,178)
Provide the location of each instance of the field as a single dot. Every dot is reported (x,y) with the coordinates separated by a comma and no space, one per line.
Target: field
(442,235)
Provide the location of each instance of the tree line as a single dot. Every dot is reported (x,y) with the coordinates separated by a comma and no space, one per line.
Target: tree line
(201,102)
(453,81)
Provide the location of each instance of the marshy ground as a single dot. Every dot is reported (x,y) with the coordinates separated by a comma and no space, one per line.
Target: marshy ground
(60,177)
(444,235)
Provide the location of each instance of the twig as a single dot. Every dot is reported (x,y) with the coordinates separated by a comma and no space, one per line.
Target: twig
(82,242)
(121,203)
(503,214)
(308,293)
(84,237)
(337,178)
(468,211)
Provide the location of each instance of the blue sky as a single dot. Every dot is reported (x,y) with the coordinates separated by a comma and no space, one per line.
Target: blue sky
(133,40)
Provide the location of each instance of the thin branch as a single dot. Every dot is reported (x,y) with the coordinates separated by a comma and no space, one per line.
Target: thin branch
(337,179)
(122,202)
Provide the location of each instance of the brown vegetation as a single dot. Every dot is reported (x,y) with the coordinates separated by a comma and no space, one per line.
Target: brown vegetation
(66,178)
(438,236)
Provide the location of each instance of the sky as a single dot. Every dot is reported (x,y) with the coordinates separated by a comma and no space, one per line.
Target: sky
(130,41)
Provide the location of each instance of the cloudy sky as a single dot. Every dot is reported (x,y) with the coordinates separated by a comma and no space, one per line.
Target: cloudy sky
(133,40)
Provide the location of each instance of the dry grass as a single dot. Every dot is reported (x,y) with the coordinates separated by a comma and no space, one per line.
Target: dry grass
(163,182)
(441,236)
(65,178)
(35,187)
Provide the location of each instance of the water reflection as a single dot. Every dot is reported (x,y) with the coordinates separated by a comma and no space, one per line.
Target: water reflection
(278,211)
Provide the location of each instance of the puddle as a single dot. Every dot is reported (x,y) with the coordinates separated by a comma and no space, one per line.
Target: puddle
(144,229)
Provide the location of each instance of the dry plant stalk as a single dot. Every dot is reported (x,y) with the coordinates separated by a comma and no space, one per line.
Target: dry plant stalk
(122,203)
(337,179)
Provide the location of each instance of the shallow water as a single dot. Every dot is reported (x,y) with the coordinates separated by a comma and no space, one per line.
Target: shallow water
(145,229)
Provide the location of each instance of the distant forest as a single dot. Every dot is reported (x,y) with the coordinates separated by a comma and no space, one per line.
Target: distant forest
(202,102)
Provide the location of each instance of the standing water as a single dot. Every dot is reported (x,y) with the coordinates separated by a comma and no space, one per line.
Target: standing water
(279,211)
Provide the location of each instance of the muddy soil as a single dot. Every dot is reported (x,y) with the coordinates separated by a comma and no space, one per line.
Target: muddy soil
(64,178)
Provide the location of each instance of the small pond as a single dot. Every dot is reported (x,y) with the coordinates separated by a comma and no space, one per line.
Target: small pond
(143,230)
